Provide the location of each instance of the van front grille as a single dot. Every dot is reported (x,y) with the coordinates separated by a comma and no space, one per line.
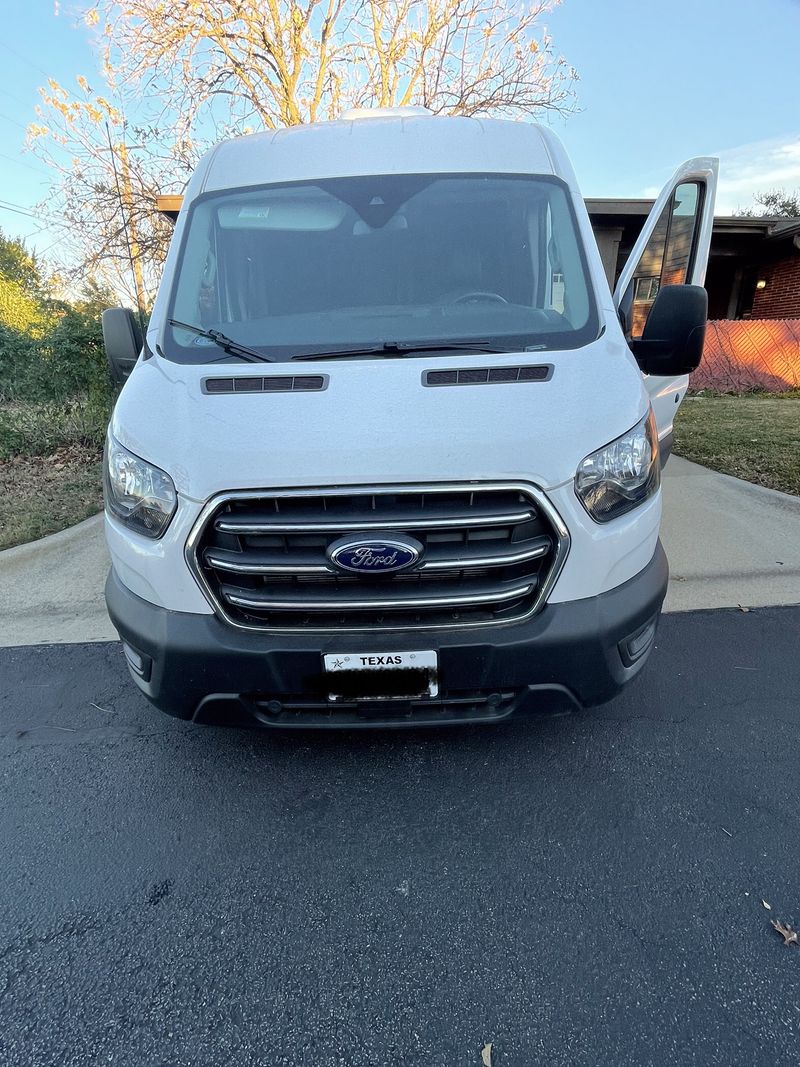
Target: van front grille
(490,555)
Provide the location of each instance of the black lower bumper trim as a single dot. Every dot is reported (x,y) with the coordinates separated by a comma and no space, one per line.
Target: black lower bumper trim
(479,707)
(207,670)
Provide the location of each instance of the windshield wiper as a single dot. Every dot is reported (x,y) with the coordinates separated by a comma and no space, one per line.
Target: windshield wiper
(233,348)
(397,349)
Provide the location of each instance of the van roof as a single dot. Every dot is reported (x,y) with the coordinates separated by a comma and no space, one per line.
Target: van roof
(391,141)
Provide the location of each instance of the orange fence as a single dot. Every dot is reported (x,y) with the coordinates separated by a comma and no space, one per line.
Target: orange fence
(742,356)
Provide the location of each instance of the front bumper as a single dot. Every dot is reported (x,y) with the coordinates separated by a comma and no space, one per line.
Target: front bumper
(197,667)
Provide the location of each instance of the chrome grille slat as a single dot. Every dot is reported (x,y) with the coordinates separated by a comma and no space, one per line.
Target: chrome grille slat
(277,563)
(492,552)
(302,601)
(505,559)
(262,563)
(243,526)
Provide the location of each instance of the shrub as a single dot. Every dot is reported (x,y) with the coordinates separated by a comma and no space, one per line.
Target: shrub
(20,312)
(58,362)
(41,428)
(55,390)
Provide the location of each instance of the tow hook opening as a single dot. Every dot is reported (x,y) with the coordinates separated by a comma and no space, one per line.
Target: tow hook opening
(639,643)
(139,663)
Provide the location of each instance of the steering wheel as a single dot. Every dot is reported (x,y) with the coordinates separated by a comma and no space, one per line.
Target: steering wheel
(478,296)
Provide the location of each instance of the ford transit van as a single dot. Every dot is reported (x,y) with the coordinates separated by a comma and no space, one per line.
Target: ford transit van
(390,451)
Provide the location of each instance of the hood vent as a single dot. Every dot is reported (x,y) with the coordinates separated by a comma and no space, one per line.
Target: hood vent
(300,383)
(488,375)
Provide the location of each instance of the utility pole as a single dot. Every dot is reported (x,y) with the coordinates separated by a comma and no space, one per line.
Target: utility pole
(133,237)
(125,195)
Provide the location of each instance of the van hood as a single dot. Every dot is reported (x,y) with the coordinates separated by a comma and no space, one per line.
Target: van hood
(376,422)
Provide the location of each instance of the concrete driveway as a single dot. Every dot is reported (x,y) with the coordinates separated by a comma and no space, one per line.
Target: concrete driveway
(728,543)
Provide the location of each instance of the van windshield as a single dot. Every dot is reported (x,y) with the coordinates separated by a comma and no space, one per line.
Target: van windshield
(298,269)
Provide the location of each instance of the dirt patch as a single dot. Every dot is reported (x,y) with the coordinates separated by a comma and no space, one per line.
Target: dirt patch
(42,494)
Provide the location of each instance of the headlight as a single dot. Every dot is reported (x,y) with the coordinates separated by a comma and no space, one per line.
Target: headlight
(623,474)
(139,494)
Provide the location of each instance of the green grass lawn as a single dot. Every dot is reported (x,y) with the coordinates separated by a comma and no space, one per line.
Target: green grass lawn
(752,437)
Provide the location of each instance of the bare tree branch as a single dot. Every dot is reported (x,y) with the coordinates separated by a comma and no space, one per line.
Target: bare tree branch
(224,67)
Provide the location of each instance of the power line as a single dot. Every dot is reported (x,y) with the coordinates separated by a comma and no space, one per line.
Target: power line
(27,207)
(17,211)
(48,220)
(22,163)
(14,121)
(24,59)
(44,227)
(44,251)
(16,99)
(63,240)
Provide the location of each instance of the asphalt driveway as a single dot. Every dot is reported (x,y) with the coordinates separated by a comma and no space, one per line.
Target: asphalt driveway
(578,890)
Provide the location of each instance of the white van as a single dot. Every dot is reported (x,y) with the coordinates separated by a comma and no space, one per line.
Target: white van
(389,453)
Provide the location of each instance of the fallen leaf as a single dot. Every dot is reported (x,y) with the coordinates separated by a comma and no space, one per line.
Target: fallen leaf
(486,1051)
(767,906)
(787,933)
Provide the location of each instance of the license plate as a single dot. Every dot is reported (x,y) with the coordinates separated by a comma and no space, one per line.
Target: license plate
(381,675)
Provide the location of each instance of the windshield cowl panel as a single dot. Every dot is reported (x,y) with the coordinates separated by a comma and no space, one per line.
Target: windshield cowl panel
(380,264)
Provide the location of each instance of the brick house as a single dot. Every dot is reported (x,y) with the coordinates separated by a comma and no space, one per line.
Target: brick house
(777,294)
(753,284)
(753,268)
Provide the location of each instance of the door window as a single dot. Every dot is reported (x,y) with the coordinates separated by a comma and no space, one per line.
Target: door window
(667,257)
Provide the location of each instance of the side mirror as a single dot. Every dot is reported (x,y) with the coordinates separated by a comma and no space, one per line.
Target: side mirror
(123,342)
(673,336)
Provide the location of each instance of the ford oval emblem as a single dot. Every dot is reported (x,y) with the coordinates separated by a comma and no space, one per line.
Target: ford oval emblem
(361,555)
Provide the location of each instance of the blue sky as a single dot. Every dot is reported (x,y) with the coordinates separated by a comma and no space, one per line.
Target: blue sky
(660,81)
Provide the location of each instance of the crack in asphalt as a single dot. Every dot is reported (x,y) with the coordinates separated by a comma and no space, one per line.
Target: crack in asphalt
(20,738)
(35,942)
